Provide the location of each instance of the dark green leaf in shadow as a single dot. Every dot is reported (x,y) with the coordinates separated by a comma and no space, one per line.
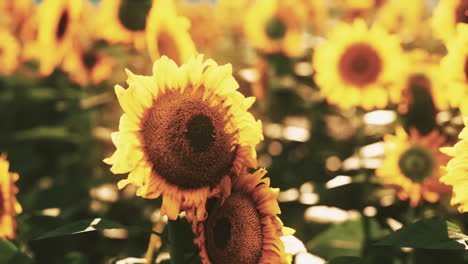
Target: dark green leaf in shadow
(428,234)
(9,253)
(82,226)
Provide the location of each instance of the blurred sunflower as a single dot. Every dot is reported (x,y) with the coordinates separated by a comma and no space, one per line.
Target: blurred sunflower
(229,15)
(58,21)
(455,67)
(10,52)
(28,36)
(202,19)
(316,14)
(402,17)
(447,15)
(88,66)
(9,206)
(275,26)
(412,164)
(424,76)
(359,67)
(457,172)
(125,21)
(185,130)
(13,13)
(167,34)
(245,227)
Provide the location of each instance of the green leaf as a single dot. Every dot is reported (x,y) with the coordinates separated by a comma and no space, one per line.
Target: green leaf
(47,132)
(345,239)
(182,248)
(82,226)
(9,253)
(346,260)
(428,234)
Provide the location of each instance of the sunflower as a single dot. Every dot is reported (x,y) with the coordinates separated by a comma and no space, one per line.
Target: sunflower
(447,15)
(9,52)
(125,21)
(13,13)
(455,66)
(357,66)
(401,16)
(58,20)
(184,132)
(412,164)
(9,206)
(275,26)
(316,14)
(86,66)
(167,34)
(245,227)
(201,16)
(457,172)
(229,15)
(425,74)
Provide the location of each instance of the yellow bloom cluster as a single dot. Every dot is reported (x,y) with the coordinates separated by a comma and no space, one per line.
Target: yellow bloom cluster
(187,135)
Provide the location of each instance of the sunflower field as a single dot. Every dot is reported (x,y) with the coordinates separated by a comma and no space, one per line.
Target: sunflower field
(234,131)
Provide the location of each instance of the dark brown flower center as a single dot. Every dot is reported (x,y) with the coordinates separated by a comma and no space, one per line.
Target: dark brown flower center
(417,163)
(360,64)
(234,231)
(275,28)
(461,12)
(89,59)
(167,46)
(186,140)
(133,13)
(62,25)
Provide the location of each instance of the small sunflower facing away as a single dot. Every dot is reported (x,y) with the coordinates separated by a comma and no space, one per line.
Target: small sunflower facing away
(167,33)
(124,21)
(412,164)
(275,26)
(457,170)
(58,20)
(359,67)
(10,52)
(244,228)
(455,67)
(184,132)
(88,66)
(447,15)
(423,77)
(9,206)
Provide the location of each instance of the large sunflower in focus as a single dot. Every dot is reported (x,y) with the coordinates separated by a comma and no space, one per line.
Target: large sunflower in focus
(455,66)
(275,26)
(167,34)
(447,15)
(9,206)
(412,164)
(244,228)
(457,169)
(9,52)
(124,21)
(184,132)
(424,77)
(58,20)
(359,67)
